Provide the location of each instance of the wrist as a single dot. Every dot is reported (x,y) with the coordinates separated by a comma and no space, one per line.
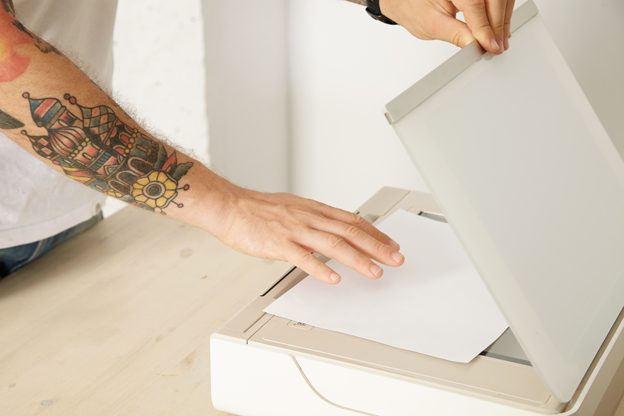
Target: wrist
(376,10)
(216,200)
(207,201)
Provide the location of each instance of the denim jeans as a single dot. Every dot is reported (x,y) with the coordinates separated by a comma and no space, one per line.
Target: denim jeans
(14,258)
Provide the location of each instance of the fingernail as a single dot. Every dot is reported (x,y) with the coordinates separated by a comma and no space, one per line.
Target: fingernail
(334,278)
(375,270)
(397,257)
(494,45)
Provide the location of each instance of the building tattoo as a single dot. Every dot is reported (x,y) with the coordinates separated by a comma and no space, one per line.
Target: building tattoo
(93,146)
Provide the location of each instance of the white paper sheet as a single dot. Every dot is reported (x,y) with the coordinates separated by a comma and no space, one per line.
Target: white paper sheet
(435,304)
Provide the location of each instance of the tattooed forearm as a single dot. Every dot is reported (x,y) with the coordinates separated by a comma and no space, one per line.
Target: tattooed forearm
(94,143)
(12,62)
(93,146)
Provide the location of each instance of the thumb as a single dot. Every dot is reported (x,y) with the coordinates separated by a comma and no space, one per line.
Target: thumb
(477,19)
(451,30)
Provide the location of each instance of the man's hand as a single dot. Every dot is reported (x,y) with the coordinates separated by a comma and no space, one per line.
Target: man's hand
(88,137)
(286,227)
(487,21)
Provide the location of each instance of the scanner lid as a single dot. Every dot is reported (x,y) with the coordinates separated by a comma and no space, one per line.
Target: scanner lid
(533,187)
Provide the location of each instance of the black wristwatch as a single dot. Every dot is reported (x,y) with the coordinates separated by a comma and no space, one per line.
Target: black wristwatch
(374,11)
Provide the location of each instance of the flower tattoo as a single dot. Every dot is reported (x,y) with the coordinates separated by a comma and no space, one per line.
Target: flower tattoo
(156,190)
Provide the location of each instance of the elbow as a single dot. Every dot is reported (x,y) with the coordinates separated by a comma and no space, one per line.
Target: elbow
(7,20)
(7,14)
(14,33)
(7,7)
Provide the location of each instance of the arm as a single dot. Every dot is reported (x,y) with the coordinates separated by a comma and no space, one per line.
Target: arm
(53,110)
(487,21)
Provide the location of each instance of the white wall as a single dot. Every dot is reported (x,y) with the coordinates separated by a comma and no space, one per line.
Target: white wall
(344,67)
(159,68)
(246,91)
(295,89)
(198,68)
(159,71)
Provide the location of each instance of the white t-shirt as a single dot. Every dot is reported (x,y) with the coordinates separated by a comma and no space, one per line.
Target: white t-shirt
(35,201)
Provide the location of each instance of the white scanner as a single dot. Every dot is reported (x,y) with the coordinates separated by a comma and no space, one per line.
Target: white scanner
(522,169)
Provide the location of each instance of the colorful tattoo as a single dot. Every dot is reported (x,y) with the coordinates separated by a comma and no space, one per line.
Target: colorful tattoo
(7,122)
(96,148)
(12,64)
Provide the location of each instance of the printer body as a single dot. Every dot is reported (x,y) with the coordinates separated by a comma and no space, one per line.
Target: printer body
(265,365)
(523,171)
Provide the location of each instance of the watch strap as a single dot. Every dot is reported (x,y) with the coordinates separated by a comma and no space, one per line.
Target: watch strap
(374,11)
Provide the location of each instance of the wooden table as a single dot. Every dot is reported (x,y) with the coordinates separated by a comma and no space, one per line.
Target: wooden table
(118,320)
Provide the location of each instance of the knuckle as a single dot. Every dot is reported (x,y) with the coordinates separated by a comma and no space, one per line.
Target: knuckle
(358,220)
(305,258)
(456,39)
(383,249)
(316,204)
(295,232)
(353,231)
(291,215)
(473,3)
(335,241)
(324,209)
